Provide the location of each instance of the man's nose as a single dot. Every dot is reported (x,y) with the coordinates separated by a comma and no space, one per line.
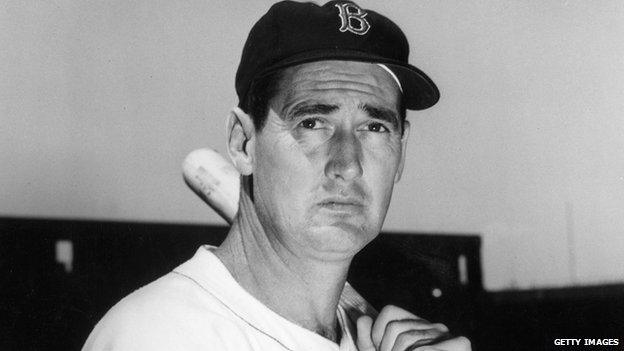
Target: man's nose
(345,152)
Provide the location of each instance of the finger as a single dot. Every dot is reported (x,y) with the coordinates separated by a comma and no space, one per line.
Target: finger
(412,329)
(410,339)
(388,314)
(460,343)
(364,341)
(394,329)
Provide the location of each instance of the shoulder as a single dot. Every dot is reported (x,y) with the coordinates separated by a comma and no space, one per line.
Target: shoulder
(172,312)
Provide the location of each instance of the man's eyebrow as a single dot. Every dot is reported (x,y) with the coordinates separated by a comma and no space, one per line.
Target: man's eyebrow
(381,113)
(306,108)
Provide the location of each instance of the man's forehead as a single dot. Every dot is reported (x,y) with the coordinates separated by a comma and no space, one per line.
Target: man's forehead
(338,79)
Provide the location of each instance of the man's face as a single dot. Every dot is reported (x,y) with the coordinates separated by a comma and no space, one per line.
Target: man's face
(327,158)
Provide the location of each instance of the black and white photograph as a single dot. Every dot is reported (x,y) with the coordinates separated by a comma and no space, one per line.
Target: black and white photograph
(401,175)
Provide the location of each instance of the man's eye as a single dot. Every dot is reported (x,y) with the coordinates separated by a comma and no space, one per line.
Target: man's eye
(310,123)
(377,127)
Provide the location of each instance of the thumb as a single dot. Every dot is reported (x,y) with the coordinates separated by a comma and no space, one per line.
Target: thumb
(364,340)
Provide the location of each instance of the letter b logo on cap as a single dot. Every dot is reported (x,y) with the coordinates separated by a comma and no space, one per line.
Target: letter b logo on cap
(352,19)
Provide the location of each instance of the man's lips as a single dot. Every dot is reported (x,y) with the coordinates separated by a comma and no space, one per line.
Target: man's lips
(342,204)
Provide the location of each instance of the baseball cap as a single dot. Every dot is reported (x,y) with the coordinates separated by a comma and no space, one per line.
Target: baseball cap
(292,33)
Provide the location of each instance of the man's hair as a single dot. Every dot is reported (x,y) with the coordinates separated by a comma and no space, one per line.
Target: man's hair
(263,89)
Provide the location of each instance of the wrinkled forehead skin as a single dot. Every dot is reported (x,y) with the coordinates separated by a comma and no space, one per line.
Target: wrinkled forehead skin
(335,80)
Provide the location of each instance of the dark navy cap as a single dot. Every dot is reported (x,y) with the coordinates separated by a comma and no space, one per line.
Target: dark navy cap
(292,33)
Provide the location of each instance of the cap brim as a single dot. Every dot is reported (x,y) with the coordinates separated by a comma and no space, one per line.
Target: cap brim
(419,91)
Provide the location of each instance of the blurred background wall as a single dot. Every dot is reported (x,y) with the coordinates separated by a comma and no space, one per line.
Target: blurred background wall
(101,101)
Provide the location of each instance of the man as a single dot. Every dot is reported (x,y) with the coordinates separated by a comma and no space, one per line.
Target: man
(319,137)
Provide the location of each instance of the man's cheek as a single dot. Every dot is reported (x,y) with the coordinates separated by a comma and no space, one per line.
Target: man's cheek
(382,184)
(291,188)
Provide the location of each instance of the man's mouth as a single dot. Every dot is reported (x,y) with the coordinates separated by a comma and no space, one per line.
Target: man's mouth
(339,204)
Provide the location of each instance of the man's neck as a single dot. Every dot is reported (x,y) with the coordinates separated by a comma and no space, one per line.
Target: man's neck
(305,292)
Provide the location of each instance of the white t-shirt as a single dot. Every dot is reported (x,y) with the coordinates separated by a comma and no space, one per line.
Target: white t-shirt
(199,306)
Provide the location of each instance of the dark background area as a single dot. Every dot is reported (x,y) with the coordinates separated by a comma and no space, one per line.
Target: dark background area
(44,307)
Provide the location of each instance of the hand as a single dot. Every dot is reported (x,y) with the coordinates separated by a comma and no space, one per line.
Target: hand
(399,330)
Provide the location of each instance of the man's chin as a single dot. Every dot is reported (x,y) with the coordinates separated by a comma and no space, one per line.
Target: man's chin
(342,238)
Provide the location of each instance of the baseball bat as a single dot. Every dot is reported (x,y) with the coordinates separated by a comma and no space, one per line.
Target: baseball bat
(214,180)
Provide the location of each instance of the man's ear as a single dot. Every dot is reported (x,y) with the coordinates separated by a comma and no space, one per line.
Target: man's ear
(406,129)
(241,138)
